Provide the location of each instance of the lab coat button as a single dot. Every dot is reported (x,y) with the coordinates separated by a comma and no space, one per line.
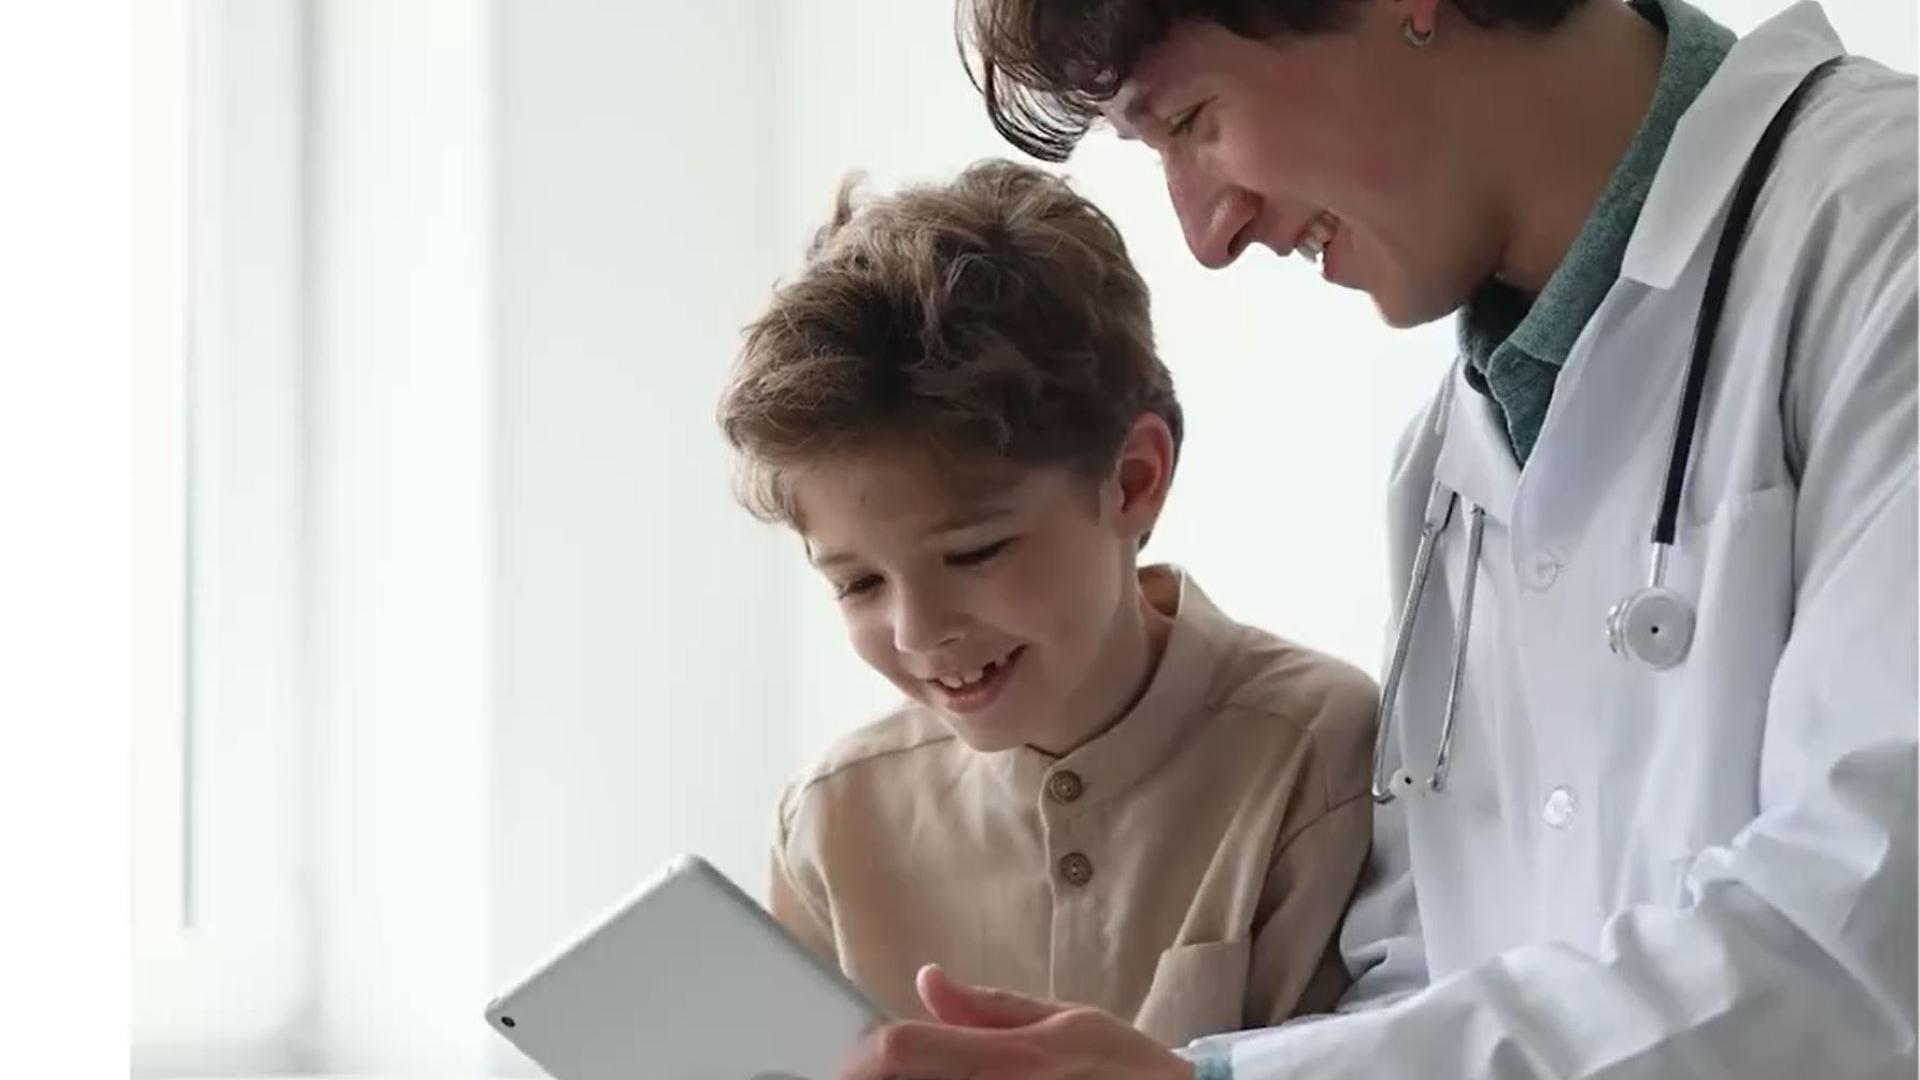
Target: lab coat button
(1559,808)
(1076,869)
(1065,786)
(1540,570)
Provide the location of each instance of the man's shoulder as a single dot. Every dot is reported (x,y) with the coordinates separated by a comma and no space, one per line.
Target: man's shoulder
(1855,139)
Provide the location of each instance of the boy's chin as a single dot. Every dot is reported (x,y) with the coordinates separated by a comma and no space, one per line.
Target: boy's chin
(983,736)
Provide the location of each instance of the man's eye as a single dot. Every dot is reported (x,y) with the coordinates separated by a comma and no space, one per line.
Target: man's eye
(856,587)
(1183,123)
(978,555)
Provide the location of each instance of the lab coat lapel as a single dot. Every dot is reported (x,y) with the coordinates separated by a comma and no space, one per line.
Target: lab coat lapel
(1475,458)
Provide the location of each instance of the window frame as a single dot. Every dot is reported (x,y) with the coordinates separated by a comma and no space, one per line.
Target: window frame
(221,966)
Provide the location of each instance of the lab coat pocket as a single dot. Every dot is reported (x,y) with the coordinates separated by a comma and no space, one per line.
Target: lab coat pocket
(1700,769)
(1197,990)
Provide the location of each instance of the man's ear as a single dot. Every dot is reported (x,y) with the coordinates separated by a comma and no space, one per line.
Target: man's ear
(1420,15)
(1143,474)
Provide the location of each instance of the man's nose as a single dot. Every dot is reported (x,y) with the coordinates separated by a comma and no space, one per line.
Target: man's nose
(1212,213)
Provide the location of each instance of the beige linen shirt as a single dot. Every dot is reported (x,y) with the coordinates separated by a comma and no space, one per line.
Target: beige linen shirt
(1186,869)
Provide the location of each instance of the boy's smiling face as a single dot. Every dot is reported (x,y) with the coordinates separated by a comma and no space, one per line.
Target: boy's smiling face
(1011,608)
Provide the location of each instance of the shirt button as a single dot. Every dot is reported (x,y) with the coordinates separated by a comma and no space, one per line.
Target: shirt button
(1559,808)
(1540,570)
(1076,869)
(1065,786)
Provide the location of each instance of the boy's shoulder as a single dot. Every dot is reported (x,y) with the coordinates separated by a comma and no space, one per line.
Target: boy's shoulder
(1266,673)
(1273,692)
(874,757)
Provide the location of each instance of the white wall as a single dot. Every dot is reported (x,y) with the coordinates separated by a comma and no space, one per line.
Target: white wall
(640,668)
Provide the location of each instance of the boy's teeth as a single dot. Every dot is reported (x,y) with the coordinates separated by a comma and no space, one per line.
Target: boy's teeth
(961,682)
(969,678)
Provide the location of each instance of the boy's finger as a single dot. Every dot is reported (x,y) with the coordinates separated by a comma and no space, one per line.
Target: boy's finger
(965,1005)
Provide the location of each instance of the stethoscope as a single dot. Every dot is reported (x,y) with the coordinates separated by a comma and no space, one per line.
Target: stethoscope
(1653,625)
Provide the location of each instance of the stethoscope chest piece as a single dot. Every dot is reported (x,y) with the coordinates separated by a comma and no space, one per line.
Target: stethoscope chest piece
(1653,626)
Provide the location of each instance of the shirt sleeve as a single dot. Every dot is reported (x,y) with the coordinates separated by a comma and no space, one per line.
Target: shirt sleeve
(1381,940)
(802,910)
(1295,964)
(1791,953)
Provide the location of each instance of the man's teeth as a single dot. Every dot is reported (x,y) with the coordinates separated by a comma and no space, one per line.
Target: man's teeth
(1317,235)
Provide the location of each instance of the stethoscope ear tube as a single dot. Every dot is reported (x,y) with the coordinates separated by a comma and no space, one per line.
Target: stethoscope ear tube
(1439,512)
(1714,300)
(1463,623)
(1440,506)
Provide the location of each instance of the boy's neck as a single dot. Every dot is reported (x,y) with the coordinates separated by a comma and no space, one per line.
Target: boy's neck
(1133,657)
(1557,114)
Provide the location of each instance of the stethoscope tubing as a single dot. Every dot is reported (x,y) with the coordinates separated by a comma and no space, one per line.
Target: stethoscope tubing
(1686,422)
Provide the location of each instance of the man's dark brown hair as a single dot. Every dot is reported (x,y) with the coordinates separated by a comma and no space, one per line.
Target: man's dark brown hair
(1046,67)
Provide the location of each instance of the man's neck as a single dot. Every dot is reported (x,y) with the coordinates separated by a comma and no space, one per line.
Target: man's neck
(1558,114)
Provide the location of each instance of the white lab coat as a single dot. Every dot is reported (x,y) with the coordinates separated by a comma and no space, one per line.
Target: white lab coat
(1707,871)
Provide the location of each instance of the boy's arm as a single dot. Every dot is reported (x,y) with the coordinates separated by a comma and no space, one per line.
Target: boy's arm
(1317,862)
(1381,941)
(1377,956)
(1295,966)
(802,911)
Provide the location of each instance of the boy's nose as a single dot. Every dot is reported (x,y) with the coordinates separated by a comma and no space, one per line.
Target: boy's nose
(1212,214)
(924,624)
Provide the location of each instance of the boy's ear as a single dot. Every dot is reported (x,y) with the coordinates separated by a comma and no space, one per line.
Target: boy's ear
(1143,473)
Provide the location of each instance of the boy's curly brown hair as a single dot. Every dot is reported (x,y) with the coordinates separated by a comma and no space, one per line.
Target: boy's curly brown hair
(992,322)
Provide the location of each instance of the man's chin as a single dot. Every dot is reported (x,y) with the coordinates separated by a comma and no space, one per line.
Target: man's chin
(1401,316)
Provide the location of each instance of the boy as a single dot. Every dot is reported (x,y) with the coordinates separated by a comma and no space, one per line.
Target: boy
(1100,788)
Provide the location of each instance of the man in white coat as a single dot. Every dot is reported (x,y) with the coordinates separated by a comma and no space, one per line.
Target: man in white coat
(1693,856)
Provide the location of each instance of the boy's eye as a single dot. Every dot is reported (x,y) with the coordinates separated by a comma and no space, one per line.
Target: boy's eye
(856,587)
(978,555)
(1183,123)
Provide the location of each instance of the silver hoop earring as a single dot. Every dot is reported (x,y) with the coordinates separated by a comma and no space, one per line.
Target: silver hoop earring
(1419,39)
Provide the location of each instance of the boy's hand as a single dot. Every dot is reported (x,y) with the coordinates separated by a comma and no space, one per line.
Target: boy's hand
(985,1034)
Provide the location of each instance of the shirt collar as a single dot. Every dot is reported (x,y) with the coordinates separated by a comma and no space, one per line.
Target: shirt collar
(1696,46)
(1179,691)
(1548,326)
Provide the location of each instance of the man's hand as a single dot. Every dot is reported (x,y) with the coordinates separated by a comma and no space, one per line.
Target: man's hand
(986,1034)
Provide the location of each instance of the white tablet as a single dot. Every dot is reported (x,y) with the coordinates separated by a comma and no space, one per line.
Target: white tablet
(690,979)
